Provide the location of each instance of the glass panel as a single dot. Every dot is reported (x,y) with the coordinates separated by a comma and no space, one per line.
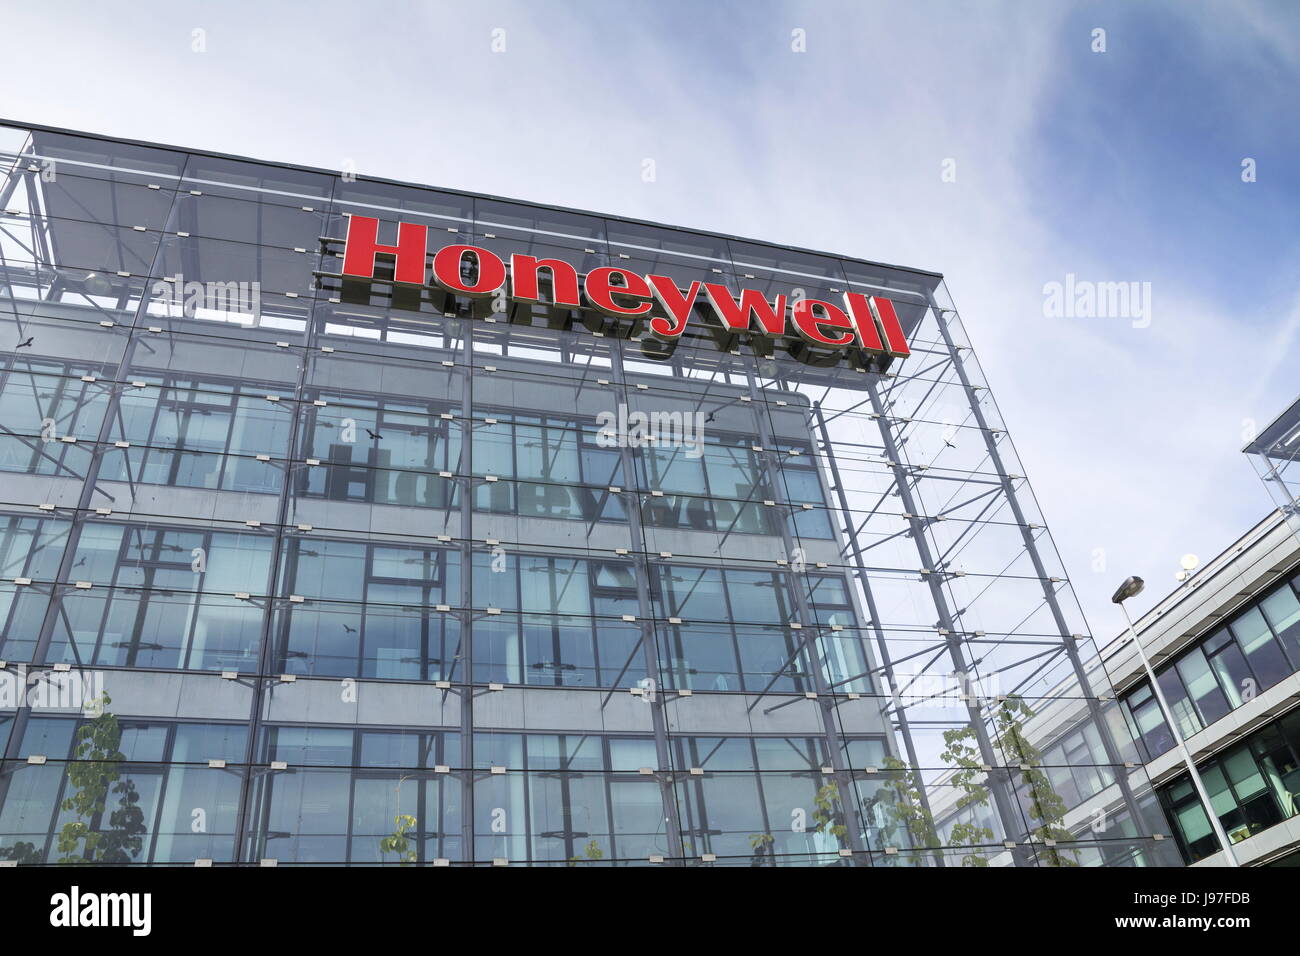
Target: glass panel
(1180,704)
(1262,649)
(1283,612)
(1230,667)
(1202,687)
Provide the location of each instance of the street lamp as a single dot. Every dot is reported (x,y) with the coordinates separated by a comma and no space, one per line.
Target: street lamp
(1130,588)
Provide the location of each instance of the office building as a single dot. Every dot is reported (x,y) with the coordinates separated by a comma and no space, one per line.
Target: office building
(348,521)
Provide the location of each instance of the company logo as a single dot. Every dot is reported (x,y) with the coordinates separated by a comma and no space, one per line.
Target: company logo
(868,324)
(75,908)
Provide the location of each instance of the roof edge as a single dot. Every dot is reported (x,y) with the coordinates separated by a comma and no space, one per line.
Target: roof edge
(148,144)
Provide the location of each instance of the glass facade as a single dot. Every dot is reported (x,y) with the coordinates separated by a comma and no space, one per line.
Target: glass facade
(306,570)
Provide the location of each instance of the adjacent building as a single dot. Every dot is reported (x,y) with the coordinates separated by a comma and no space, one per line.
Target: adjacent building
(1225,646)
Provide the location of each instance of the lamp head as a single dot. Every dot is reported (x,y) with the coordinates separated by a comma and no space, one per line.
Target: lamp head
(1131,587)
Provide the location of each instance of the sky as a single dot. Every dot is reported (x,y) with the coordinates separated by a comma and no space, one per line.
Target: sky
(1006,145)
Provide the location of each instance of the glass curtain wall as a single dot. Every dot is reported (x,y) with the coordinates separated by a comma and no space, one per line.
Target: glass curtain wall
(307,570)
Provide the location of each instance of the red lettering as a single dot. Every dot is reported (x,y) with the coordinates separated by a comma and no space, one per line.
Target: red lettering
(771,316)
(888,319)
(871,321)
(809,324)
(524,284)
(871,316)
(864,321)
(491,271)
(601,291)
(677,305)
(362,246)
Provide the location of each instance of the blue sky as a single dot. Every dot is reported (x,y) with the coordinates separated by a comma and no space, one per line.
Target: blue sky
(1137,142)
(1115,166)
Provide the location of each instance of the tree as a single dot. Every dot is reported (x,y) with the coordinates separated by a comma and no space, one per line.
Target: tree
(591,851)
(23,852)
(95,773)
(828,814)
(961,753)
(904,811)
(1046,806)
(761,844)
(398,842)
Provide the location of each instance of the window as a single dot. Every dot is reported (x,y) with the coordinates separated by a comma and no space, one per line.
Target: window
(1282,611)
(1150,727)
(1252,786)
(1229,667)
(1202,687)
(366,612)
(1262,648)
(167,598)
(1180,703)
(162,777)
(343,790)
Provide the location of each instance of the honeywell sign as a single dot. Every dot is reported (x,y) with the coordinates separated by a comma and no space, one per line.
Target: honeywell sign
(865,323)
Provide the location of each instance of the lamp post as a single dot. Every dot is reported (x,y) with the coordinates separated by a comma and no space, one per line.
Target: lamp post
(1131,587)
